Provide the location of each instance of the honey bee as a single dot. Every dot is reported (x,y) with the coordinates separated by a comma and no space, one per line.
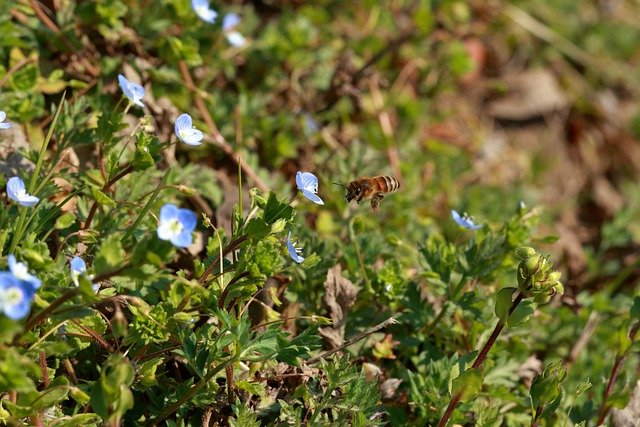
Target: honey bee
(370,187)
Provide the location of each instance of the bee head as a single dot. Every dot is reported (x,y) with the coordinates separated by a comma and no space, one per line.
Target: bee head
(349,196)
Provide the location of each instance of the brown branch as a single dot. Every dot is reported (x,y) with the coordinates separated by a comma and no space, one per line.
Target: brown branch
(43,369)
(455,399)
(215,133)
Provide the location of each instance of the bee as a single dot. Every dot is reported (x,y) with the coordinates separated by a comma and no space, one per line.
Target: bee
(370,187)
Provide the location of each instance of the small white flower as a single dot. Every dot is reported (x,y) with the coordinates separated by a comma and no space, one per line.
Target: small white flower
(204,11)
(464,220)
(17,192)
(133,91)
(229,24)
(176,225)
(186,132)
(308,184)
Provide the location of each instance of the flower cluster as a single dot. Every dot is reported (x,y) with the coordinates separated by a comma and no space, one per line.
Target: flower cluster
(17,288)
(229,22)
(536,277)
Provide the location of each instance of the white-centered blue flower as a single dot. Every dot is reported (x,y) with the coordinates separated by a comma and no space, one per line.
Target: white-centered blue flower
(15,296)
(17,192)
(3,124)
(229,24)
(294,252)
(176,225)
(464,220)
(133,91)
(308,184)
(186,132)
(79,268)
(20,271)
(204,11)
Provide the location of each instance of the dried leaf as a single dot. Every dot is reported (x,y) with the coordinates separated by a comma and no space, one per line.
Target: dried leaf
(340,294)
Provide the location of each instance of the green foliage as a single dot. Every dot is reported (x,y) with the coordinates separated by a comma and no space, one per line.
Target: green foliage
(230,327)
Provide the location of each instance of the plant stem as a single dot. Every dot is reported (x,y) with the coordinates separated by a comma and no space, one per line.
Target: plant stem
(190,393)
(455,399)
(106,187)
(45,312)
(615,371)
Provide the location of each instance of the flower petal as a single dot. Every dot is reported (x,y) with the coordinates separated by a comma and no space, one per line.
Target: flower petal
(307,181)
(293,252)
(188,219)
(313,197)
(15,188)
(235,39)
(3,116)
(78,265)
(168,212)
(183,239)
(28,200)
(230,20)
(5,125)
(183,121)
(191,136)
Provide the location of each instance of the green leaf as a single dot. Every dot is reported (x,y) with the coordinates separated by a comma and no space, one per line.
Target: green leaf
(635,308)
(102,198)
(504,300)
(275,210)
(78,420)
(257,229)
(469,384)
(65,221)
(522,313)
(110,254)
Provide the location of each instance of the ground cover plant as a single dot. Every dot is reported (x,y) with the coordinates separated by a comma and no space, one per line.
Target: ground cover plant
(319,213)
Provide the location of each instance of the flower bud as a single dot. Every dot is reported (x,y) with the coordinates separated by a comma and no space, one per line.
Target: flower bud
(525,252)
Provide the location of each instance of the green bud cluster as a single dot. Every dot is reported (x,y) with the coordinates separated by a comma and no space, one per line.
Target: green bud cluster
(536,277)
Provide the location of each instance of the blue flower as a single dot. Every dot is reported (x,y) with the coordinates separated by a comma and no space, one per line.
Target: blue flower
(308,184)
(186,132)
(17,192)
(464,220)
(229,23)
(204,11)
(15,296)
(4,125)
(294,252)
(176,225)
(20,271)
(79,268)
(133,91)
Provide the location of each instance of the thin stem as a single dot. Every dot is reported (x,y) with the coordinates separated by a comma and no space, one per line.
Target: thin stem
(45,312)
(190,393)
(615,371)
(146,207)
(455,399)
(443,311)
(360,336)
(217,136)
(106,187)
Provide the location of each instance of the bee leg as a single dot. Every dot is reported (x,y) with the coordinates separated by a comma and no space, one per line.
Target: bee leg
(375,201)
